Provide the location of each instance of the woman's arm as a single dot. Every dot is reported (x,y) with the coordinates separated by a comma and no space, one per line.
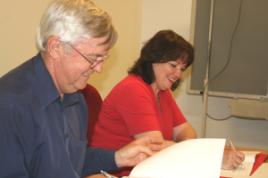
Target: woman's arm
(155,135)
(183,132)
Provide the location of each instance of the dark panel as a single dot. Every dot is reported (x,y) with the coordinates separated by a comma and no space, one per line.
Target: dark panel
(239,58)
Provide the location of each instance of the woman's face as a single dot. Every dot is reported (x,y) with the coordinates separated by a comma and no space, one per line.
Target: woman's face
(167,73)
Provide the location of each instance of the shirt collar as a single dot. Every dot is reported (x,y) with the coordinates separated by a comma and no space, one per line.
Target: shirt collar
(46,87)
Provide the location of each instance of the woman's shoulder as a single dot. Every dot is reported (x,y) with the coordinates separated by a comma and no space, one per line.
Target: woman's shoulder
(132,82)
(131,85)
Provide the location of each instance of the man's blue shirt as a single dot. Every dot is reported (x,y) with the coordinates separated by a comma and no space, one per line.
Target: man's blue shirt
(41,134)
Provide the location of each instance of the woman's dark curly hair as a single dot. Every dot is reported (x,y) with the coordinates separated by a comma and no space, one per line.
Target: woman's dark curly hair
(164,46)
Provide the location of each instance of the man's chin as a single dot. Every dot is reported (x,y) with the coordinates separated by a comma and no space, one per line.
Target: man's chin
(74,89)
(81,87)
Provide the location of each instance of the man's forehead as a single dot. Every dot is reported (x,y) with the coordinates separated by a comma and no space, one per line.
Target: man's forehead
(94,43)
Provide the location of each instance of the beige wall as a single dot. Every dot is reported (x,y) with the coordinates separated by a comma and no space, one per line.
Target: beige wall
(135,21)
(126,16)
(18,20)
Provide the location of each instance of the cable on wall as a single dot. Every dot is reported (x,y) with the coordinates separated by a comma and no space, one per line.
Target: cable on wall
(231,44)
(227,61)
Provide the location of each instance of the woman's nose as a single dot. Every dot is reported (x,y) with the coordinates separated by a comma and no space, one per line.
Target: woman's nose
(178,72)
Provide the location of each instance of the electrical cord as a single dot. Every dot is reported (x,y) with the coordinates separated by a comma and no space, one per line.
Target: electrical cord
(219,119)
(231,46)
(227,61)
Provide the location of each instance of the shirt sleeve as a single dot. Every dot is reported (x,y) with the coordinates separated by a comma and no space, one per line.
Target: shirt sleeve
(98,159)
(178,117)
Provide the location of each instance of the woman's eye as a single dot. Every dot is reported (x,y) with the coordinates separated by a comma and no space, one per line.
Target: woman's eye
(177,66)
(183,69)
(173,65)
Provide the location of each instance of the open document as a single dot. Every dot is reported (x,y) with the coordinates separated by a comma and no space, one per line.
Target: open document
(195,158)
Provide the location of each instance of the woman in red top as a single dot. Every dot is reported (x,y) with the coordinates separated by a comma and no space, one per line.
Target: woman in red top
(142,105)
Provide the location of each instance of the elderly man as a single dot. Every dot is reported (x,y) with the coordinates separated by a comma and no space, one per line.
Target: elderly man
(43,117)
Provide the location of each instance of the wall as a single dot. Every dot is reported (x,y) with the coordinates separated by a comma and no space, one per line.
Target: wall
(136,21)
(126,17)
(19,20)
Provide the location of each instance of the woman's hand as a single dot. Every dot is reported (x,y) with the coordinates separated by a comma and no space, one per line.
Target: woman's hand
(232,159)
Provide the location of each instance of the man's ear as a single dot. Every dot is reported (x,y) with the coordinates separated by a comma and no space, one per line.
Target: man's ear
(54,47)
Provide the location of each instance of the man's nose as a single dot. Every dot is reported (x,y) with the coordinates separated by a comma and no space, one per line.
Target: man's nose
(98,68)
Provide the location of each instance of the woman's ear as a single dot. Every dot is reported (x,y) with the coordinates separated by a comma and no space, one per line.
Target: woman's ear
(54,47)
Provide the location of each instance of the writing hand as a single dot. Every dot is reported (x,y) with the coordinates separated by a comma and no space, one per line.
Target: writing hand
(232,159)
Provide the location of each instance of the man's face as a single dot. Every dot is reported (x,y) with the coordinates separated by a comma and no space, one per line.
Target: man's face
(78,62)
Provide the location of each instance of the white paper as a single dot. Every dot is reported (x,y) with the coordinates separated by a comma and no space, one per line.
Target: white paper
(245,168)
(195,158)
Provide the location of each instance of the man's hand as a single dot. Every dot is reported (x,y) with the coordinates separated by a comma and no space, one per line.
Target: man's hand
(136,151)
(232,159)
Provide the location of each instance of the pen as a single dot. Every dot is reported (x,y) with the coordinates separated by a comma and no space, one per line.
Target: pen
(105,174)
(232,145)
